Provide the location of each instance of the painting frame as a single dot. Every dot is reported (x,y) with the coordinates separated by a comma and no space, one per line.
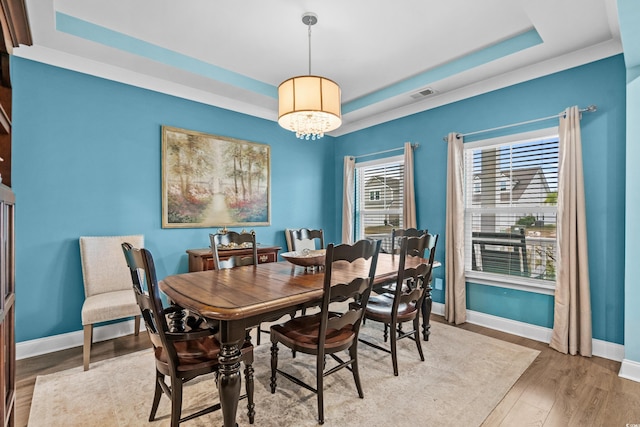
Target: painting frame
(214,181)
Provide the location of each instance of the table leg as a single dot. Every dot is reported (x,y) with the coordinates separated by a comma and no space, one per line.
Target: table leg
(229,382)
(427,302)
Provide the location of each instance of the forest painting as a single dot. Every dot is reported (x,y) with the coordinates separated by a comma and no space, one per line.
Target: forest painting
(212,181)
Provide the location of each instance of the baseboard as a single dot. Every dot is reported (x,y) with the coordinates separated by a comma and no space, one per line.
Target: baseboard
(601,348)
(630,370)
(53,343)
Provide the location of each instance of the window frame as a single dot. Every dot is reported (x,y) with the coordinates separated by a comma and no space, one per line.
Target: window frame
(358,231)
(495,279)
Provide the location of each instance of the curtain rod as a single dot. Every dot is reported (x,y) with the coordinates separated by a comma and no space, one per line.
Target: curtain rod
(589,109)
(414,146)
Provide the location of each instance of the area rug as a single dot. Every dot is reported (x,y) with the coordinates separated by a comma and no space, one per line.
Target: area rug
(464,376)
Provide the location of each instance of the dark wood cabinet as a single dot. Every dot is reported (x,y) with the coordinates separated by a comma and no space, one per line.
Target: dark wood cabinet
(15,32)
(202,259)
(7,306)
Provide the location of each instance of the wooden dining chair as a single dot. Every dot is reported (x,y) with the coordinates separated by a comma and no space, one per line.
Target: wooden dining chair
(231,240)
(404,303)
(429,253)
(181,356)
(396,234)
(304,238)
(349,273)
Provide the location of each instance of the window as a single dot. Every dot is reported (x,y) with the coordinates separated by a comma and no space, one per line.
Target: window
(510,210)
(379,198)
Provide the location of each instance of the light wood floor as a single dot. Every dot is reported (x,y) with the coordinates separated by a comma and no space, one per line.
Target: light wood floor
(556,390)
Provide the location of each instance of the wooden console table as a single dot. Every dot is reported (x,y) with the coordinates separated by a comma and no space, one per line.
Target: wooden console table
(202,259)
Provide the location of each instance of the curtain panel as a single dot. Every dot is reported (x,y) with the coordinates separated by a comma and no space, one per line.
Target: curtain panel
(348,199)
(455,303)
(572,310)
(409,197)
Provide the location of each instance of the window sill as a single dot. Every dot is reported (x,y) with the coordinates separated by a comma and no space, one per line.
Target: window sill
(511,282)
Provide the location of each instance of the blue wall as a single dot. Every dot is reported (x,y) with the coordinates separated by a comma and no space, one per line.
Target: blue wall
(87,161)
(603,137)
(76,138)
(629,13)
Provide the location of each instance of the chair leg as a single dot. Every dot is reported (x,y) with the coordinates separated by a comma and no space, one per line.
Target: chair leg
(395,329)
(353,354)
(176,401)
(274,366)
(86,348)
(136,328)
(156,396)
(320,387)
(426,314)
(248,379)
(416,336)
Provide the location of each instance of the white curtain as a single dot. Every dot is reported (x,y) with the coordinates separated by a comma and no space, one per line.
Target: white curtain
(409,210)
(572,311)
(348,199)
(455,304)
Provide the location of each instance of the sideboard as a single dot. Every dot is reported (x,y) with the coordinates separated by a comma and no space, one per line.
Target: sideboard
(202,259)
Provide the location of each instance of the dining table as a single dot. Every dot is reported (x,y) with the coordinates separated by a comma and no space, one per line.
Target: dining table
(235,300)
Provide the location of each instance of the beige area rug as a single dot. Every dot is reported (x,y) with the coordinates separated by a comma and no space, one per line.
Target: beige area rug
(464,376)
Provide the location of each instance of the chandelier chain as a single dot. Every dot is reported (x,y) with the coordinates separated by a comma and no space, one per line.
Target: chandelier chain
(309,25)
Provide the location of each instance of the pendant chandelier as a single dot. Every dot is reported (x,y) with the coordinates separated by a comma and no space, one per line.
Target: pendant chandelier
(309,105)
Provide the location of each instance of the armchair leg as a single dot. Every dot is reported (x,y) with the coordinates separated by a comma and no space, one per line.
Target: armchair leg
(86,347)
(136,328)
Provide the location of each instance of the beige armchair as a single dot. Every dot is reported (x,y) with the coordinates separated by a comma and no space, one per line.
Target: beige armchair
(107,285)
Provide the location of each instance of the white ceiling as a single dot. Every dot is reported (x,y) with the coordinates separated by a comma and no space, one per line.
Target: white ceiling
(235,53)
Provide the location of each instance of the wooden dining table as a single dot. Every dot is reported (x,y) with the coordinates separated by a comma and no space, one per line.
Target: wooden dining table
(238,299)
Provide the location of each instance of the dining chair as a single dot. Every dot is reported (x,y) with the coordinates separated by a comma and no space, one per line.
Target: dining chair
(396,234)
(181,356)
(406,232)
(305,238)
(107,285)
(427,302)
(233,240)
(404,303)
(348,276)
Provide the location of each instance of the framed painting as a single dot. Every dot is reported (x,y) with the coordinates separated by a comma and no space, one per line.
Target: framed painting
(214,181)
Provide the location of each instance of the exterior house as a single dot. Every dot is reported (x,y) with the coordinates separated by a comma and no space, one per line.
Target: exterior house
(521,186)
(384,193)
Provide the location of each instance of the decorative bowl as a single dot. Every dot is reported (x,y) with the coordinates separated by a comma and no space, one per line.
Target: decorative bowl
(306,257)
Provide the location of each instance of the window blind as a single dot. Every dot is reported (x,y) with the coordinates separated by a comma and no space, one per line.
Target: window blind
(379,199)
(511,208)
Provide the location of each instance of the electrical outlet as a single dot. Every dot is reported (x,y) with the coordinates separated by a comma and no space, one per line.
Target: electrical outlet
(438,284)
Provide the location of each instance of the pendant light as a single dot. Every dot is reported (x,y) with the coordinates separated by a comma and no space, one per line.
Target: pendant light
(309,105)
